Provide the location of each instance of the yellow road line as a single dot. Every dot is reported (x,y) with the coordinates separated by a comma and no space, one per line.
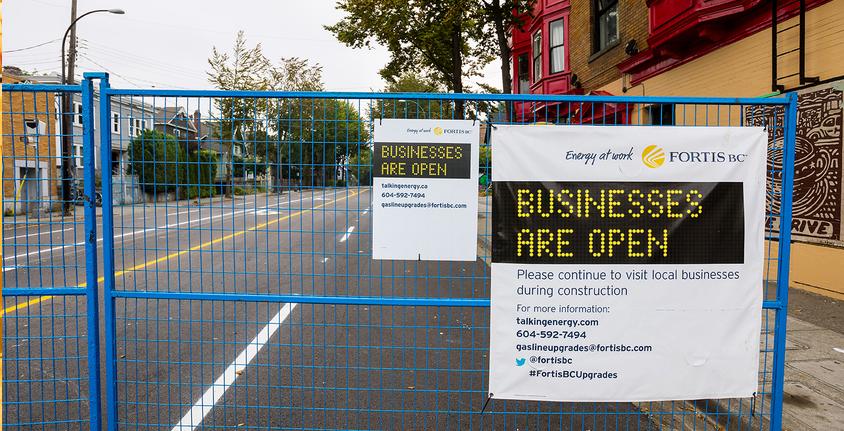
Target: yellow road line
(182,252)
(25,304)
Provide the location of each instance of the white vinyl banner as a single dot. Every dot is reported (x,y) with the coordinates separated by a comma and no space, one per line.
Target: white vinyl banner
(425,190)
(627,262)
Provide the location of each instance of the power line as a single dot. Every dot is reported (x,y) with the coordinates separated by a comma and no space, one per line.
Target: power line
(31,47)
(130,79)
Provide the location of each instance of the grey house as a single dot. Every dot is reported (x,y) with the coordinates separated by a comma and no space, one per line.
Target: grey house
(129,118)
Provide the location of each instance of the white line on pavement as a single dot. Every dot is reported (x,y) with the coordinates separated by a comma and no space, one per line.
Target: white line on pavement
(10,268)
(203,406)
(182,212)
(348,233)
(40,233)
(133,233)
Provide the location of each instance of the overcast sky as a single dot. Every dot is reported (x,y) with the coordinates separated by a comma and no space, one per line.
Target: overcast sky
(166,43)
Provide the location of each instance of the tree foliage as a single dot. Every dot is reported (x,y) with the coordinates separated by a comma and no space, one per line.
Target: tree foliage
(446,40)
(360,166)
(156,158)
(435,37)
(278,132)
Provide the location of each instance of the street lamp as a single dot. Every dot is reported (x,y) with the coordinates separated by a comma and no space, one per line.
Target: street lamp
(67,117)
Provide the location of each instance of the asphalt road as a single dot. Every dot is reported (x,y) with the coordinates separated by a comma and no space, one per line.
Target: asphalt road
(261,365)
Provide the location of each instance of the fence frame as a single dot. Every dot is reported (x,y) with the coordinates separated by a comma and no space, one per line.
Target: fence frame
(90,289)
(779,305)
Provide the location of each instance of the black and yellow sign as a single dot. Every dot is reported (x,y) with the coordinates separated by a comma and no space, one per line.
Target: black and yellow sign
(411,160)
(618,222)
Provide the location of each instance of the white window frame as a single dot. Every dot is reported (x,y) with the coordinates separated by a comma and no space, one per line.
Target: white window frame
(77,155)
(536,55)
(560,47)
(115,123)
(77,113)
(134,127)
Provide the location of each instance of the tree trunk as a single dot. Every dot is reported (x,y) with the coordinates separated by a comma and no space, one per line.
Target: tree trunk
(457,63)
(504,52)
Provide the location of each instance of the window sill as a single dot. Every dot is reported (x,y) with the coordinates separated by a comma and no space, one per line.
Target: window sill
(606,49)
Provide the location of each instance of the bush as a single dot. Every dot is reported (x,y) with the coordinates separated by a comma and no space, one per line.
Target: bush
(252,165)
(201,192)
(155,157)
(201,168)
(241,191)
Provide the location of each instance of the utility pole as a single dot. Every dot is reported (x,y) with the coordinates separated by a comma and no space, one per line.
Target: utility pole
(67,118)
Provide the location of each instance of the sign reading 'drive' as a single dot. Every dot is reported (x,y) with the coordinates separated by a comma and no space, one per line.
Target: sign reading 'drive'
(626,262)
(424,188)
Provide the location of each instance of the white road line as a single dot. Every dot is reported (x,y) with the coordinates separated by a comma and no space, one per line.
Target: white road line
(133,233)
(189,222)
(10,268)
(40,233)
(365,211)
(182,212)
(348,233)
(203,406)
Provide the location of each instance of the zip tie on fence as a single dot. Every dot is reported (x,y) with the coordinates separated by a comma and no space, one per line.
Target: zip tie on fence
(487,402)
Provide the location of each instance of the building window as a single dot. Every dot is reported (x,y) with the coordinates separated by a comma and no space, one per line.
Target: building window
(115,162)
(557,50)
(77,111)
(606,23)
(177,132)
(32,129)
(115,123)
(77,155)
(137,126)
(524,73)
(537,56)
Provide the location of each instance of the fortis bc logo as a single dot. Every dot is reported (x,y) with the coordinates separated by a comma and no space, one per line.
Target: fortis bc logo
(438,131)
(653,156)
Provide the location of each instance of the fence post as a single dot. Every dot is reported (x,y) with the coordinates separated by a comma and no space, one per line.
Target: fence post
(108,255)
(784,257)
(91,285)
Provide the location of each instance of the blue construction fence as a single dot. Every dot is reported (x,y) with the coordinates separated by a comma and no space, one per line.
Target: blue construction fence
(177,259)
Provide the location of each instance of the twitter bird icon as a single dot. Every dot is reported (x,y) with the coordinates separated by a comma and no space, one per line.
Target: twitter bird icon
(520,362)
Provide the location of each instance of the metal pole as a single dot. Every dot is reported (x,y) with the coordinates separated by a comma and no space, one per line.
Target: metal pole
(774,80)
(108,259)
(91,285)
(784,257)
(67,116)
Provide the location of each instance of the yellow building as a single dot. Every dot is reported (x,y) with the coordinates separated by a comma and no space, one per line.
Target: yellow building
(741,65)
(30,162)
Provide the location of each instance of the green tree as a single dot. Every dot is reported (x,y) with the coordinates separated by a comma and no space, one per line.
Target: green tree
(497,17)
(412,108)
(360,166)
(201,169)
(243,68)
(320,135)
(156,158)
(447,40)
(436,37)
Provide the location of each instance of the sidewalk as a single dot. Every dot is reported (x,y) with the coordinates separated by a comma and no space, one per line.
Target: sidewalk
(813,398)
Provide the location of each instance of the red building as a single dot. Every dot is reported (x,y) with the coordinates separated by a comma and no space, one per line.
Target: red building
(705,48)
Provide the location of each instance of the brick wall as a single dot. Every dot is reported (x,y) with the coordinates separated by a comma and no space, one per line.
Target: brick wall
(37,151)
(597,70)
